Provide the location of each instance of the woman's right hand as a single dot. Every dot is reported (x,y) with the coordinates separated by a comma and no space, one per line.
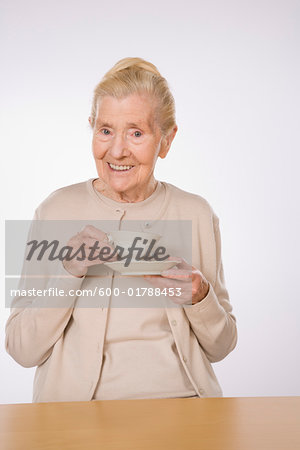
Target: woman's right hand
(89,235)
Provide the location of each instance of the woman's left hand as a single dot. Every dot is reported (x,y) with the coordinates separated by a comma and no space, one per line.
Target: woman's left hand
(192,284)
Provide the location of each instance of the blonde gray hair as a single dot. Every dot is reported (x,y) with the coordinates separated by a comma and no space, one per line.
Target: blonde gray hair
(137,76)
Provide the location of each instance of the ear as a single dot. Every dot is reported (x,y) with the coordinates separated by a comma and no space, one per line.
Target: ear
(166,142)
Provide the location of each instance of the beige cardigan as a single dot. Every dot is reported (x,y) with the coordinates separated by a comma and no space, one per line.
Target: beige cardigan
(46,337)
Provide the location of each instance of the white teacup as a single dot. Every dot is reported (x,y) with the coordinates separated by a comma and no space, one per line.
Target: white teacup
(125,239)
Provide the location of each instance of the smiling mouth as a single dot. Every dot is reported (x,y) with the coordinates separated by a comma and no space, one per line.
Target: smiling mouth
(120,168)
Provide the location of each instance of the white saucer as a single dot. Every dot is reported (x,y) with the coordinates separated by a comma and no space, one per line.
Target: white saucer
(138,268)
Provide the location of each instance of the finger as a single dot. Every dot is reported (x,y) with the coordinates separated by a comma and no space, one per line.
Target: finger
(174,258)
(185,296)
(167,283)
(184,265)
(96,262)
(90,244)
(93,232)
(158,281)
(92,249)
(180,274)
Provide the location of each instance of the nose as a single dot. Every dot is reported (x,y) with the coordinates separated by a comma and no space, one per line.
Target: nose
(119,147)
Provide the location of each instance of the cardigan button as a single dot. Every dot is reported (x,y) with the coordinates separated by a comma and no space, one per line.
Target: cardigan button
(184,359)
(174,322)
(201,391)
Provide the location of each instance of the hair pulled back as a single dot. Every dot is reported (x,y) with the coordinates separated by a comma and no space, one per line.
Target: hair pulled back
(138,76)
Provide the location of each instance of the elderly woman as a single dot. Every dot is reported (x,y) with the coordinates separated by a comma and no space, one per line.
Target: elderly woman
(129,353)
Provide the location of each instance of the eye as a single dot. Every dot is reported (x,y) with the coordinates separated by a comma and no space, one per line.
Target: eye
(105,131)
(137,134)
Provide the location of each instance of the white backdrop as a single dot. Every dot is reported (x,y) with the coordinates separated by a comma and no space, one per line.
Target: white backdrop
(233,67)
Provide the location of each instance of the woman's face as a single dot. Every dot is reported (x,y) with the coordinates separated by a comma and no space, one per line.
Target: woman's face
(126,144)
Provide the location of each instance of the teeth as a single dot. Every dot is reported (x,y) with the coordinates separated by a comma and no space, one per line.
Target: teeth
(113,166)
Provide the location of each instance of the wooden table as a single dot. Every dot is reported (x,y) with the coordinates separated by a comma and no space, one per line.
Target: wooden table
(256,423)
